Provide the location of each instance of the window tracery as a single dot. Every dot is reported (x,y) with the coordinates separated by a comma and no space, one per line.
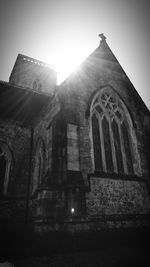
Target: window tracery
(112,133)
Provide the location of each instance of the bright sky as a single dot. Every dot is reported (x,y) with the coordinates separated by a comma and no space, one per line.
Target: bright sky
(64,32)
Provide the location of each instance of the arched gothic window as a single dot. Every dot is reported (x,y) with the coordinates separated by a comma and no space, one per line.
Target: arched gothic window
(39,164)
(5,165)
(114,141)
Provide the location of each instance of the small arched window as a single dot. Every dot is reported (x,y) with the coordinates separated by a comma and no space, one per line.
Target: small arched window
(39,164)
(37,86)
(5,165)
(114,142)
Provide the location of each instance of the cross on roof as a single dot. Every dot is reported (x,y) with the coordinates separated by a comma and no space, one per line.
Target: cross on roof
(102,36)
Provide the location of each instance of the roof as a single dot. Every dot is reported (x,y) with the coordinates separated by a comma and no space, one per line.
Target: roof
(102,58)
(23,105)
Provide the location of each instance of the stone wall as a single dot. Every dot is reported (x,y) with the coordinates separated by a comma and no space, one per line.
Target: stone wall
(47,200)
(18,141)
(47,204)
(117,197)
(72,147)
(43,130)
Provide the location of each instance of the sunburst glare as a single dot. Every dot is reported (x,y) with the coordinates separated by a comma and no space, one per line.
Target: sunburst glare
(66,58)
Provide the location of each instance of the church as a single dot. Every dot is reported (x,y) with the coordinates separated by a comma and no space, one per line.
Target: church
(74,158)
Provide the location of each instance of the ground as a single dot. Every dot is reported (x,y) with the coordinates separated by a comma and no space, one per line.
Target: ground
(114,257)
(120,248)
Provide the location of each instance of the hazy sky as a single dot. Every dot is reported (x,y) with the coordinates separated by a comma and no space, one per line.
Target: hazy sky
(63,33)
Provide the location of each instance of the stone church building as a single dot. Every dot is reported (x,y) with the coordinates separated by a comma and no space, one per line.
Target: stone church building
(73,157)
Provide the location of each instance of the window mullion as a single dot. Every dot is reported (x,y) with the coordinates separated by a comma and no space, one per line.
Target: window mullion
(102,145)
(6,177)
(122,149)
(113,147)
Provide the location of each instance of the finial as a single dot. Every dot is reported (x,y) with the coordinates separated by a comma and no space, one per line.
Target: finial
(102,36)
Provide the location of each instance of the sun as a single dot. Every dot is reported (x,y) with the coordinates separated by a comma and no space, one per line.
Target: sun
(67,57)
